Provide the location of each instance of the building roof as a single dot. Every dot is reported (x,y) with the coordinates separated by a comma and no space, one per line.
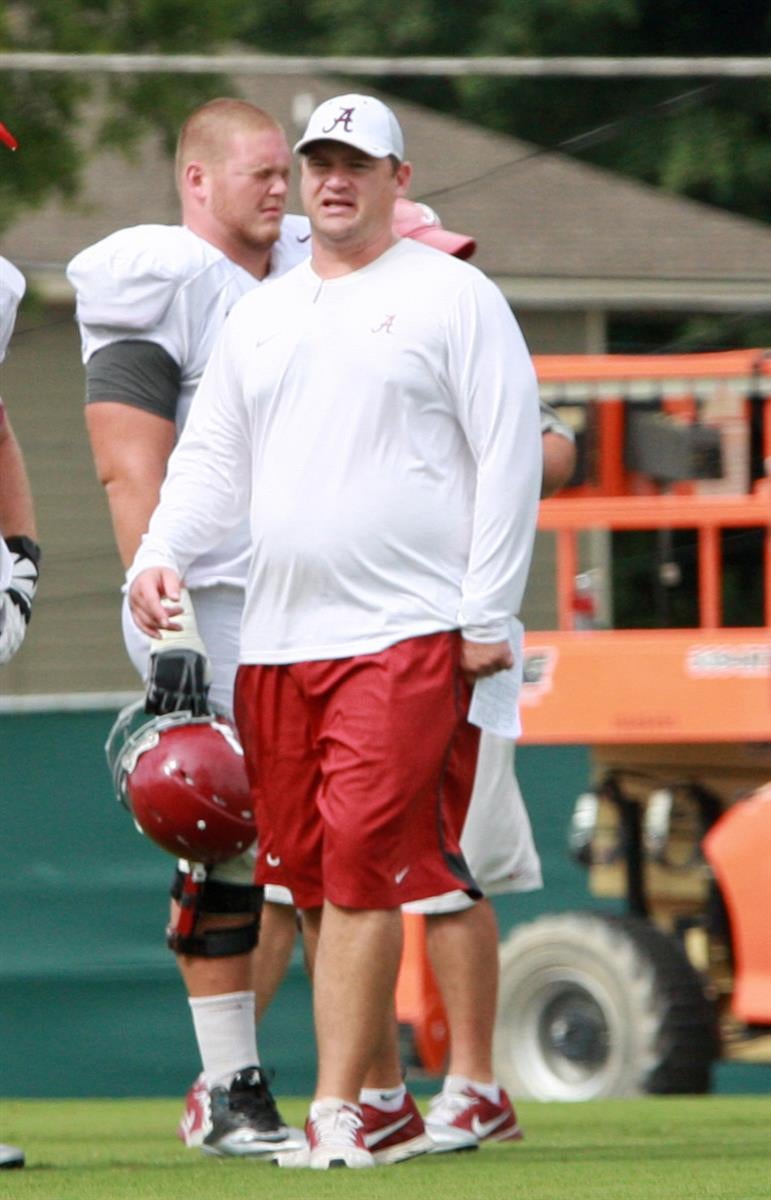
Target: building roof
(554,232)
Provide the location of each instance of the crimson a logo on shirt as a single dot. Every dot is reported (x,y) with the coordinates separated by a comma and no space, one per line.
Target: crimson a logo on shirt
(386,325)
(344,118)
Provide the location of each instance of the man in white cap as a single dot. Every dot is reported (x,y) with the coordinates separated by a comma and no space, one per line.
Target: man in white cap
(498,845)
(375,413)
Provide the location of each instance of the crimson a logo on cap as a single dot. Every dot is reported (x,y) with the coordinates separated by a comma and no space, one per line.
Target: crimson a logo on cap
(344,118)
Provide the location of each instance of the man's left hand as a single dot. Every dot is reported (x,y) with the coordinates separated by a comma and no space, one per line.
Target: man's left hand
(478,659)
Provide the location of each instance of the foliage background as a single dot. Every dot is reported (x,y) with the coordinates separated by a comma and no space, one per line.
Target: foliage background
(707,139)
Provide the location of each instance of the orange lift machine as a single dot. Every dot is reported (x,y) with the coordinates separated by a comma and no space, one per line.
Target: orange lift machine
(677,715)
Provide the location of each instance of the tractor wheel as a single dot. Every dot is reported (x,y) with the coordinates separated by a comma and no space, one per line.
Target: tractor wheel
(593,1006)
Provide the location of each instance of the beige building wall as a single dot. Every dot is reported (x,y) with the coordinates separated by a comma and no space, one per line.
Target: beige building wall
(566,332)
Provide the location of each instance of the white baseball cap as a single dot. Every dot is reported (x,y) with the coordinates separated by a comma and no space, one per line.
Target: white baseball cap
(360,121)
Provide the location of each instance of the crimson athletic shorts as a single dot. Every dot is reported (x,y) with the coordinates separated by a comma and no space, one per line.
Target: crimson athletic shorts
(361,770)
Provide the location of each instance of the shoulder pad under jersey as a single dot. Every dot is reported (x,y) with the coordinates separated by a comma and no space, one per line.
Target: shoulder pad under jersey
(128,280)
(12,287)
(293,245)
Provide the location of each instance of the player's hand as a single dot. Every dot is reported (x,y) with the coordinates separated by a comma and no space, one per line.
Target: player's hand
(478,659)
(154,599)
(16,600)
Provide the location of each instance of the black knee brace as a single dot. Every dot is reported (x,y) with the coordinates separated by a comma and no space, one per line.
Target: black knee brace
(196,894)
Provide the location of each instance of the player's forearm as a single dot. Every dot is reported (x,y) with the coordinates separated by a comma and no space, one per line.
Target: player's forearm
(17,513)
(131,448)
(131,507)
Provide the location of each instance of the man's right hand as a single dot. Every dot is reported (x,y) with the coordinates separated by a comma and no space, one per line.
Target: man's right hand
(179,674)
(478,659)
(154,599)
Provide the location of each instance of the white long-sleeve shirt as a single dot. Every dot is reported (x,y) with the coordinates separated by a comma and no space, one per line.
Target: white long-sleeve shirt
(382,431)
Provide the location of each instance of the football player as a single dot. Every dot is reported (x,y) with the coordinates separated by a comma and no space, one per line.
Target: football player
(150,302)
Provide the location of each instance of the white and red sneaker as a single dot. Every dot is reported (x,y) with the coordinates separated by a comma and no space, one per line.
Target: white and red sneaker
(461,1120)
(392,1137)
(241,1120)
(335,1133)
(195,1121)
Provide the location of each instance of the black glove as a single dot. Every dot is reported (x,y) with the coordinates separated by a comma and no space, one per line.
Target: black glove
(178,681)
(16,600)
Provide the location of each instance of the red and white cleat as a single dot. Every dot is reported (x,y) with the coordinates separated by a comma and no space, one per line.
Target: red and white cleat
(335,1133)
(195,1122)
(392,1137)
(461,1120)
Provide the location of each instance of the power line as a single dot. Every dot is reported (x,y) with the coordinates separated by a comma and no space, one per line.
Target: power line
(565,66)
(595,136)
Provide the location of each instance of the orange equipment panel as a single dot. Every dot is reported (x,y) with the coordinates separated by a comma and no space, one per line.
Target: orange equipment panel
(662,685)
(652,685)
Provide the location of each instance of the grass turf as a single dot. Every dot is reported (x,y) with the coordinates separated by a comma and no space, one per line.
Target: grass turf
(710,1148)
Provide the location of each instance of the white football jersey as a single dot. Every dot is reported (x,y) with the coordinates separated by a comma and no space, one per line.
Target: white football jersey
(12,287)
(165,284)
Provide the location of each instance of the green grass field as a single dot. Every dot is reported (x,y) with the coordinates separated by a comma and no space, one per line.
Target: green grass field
(706,1148)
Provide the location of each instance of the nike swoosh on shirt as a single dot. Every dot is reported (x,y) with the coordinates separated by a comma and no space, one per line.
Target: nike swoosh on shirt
(379,1135)
(483,1129)
(400,875)
(273,860)
(258,345)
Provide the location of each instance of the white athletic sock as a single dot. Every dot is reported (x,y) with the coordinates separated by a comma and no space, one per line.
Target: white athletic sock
(386,1099)
(456,1083)
(226,1034)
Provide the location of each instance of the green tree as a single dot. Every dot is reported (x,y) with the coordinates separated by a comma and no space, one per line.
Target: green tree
(708,139)
(56,117)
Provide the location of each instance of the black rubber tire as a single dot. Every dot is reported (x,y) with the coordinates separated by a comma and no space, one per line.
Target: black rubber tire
(595,1006)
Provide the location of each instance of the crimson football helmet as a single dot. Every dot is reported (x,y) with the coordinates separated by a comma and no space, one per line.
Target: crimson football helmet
(183,780)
